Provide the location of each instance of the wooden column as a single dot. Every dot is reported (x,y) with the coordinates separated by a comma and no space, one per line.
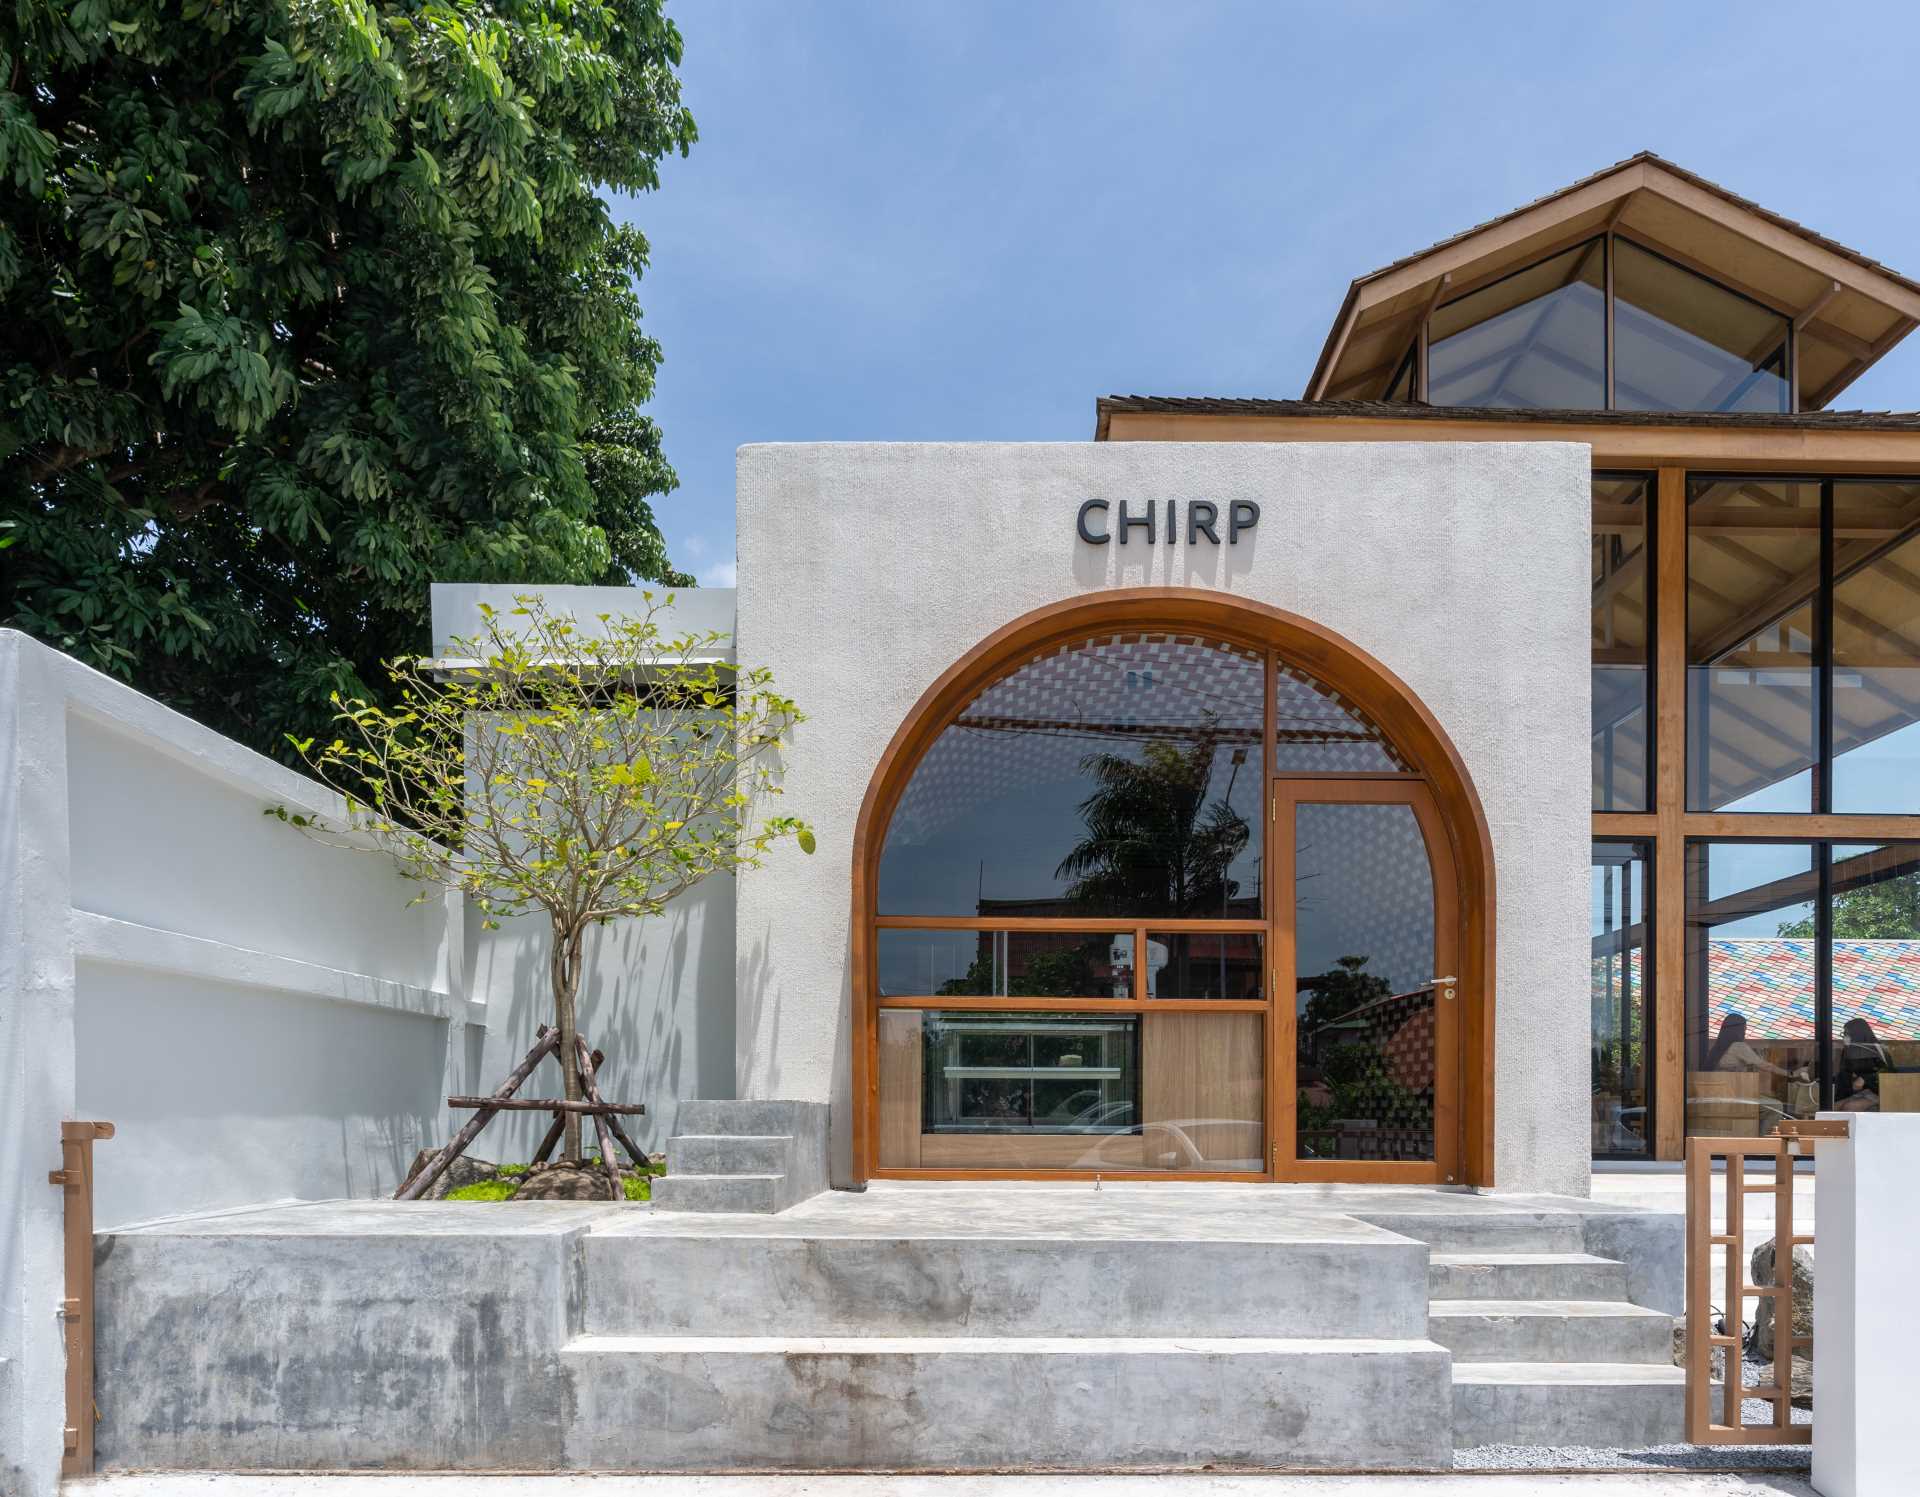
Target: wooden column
(1670,790)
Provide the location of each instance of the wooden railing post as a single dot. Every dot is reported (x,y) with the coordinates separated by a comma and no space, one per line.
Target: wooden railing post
(75,1177)
(1702,1342)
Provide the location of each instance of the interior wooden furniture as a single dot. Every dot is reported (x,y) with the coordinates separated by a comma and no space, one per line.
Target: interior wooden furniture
(1215,1073)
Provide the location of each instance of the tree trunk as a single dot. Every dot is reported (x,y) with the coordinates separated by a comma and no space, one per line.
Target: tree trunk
(566,993)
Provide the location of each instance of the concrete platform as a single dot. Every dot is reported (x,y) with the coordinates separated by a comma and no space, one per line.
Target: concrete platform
(909,1327)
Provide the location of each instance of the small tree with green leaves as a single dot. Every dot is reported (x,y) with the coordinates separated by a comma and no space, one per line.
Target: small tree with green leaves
(592,774)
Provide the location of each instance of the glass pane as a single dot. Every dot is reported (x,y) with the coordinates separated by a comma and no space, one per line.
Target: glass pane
(1538,338)
(1317,731)
(1876,647)
(1005,964)
(1622,678)
(1621,1083)
(1364,934)
(1753,565)
(1876,978)
(1683,343)
(1206,964)
(1116,1093)
(1116,776)
(1750,987)
(1400,387)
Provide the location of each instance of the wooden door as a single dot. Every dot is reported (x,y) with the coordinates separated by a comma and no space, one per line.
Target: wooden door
(1365,1057)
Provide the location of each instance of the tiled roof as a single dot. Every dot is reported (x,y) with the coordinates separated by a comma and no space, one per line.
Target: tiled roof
(1653,158)
(1378,410)
(1769,980)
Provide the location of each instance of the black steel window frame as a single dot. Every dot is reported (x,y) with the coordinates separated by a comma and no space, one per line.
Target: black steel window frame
(1649,993)
(1822,638)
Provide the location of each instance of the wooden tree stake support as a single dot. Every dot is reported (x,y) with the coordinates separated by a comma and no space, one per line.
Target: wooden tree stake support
(486,1109)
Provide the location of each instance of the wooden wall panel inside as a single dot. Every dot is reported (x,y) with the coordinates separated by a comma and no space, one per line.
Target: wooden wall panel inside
(900,1065)
(1202,1088)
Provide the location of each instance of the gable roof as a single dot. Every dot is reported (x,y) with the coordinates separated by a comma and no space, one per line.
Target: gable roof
(1850,308)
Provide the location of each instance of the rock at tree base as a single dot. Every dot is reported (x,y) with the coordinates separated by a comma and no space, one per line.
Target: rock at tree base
(466,1170)
(566,1181)
(1762,1266)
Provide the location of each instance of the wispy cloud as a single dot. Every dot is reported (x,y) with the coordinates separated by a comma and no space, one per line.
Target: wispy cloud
(720,574)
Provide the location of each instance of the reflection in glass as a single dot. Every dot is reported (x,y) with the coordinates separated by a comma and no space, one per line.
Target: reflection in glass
(1876,647)
(1621,673)
(1005,964)
(1206,964)
(1317,731)
(1753,567)
(1537,338)
(1684,343)
(1364,1004)
(1621,1084)
(1116,776)
(1750,987)
(1876,978)
(1158,1092)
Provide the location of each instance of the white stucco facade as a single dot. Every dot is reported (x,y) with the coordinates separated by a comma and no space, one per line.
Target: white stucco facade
(865,571)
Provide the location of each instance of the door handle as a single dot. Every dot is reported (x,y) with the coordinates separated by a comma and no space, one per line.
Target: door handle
(1445,984)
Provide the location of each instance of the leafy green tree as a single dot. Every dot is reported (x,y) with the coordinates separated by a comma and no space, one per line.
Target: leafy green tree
(587,775)
(1888,909)
(303,306)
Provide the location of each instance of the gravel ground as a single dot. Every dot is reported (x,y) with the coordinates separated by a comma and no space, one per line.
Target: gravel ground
(1794,1458)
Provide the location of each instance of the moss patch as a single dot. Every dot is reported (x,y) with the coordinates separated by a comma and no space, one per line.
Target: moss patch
(504,1184)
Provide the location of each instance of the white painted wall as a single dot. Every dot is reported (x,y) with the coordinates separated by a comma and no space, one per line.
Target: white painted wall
(1863,1368)
(867,570)
(261,1016)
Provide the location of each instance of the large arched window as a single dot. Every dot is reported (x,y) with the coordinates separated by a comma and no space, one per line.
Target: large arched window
(1072,942)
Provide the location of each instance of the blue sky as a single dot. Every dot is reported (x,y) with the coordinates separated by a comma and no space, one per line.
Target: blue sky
(965,221)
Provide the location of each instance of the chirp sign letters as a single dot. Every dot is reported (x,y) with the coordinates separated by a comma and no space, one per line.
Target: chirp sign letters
(1101,522)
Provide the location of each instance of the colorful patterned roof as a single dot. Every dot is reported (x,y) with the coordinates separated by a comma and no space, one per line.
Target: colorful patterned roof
(1770,981)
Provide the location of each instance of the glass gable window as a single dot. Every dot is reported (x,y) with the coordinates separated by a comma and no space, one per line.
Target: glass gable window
(1609,324)
(1537,338)
(1684,343)
(1622,673)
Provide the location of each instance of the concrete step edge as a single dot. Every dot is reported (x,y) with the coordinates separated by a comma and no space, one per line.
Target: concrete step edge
(605,1343)
(685,1176)
(1570,1374)
(1460,1259)
(1544,1309)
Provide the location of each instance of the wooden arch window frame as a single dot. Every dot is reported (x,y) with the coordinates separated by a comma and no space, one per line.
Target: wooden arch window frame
(1278,636)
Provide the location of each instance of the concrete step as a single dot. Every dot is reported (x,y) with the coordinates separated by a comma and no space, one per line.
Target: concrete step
(749,1118)
(1525,1276)
(1554,1330)
(795,1275)
(729,1154)
(979,1403)
(722,1193)
(1610,1405)
(1485,1231)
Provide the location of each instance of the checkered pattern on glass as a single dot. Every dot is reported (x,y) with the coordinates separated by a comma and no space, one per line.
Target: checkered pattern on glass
(1112,694)
(1363,880)
(1316,730)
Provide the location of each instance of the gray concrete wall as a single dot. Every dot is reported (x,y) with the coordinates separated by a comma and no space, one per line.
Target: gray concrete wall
(867,570)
